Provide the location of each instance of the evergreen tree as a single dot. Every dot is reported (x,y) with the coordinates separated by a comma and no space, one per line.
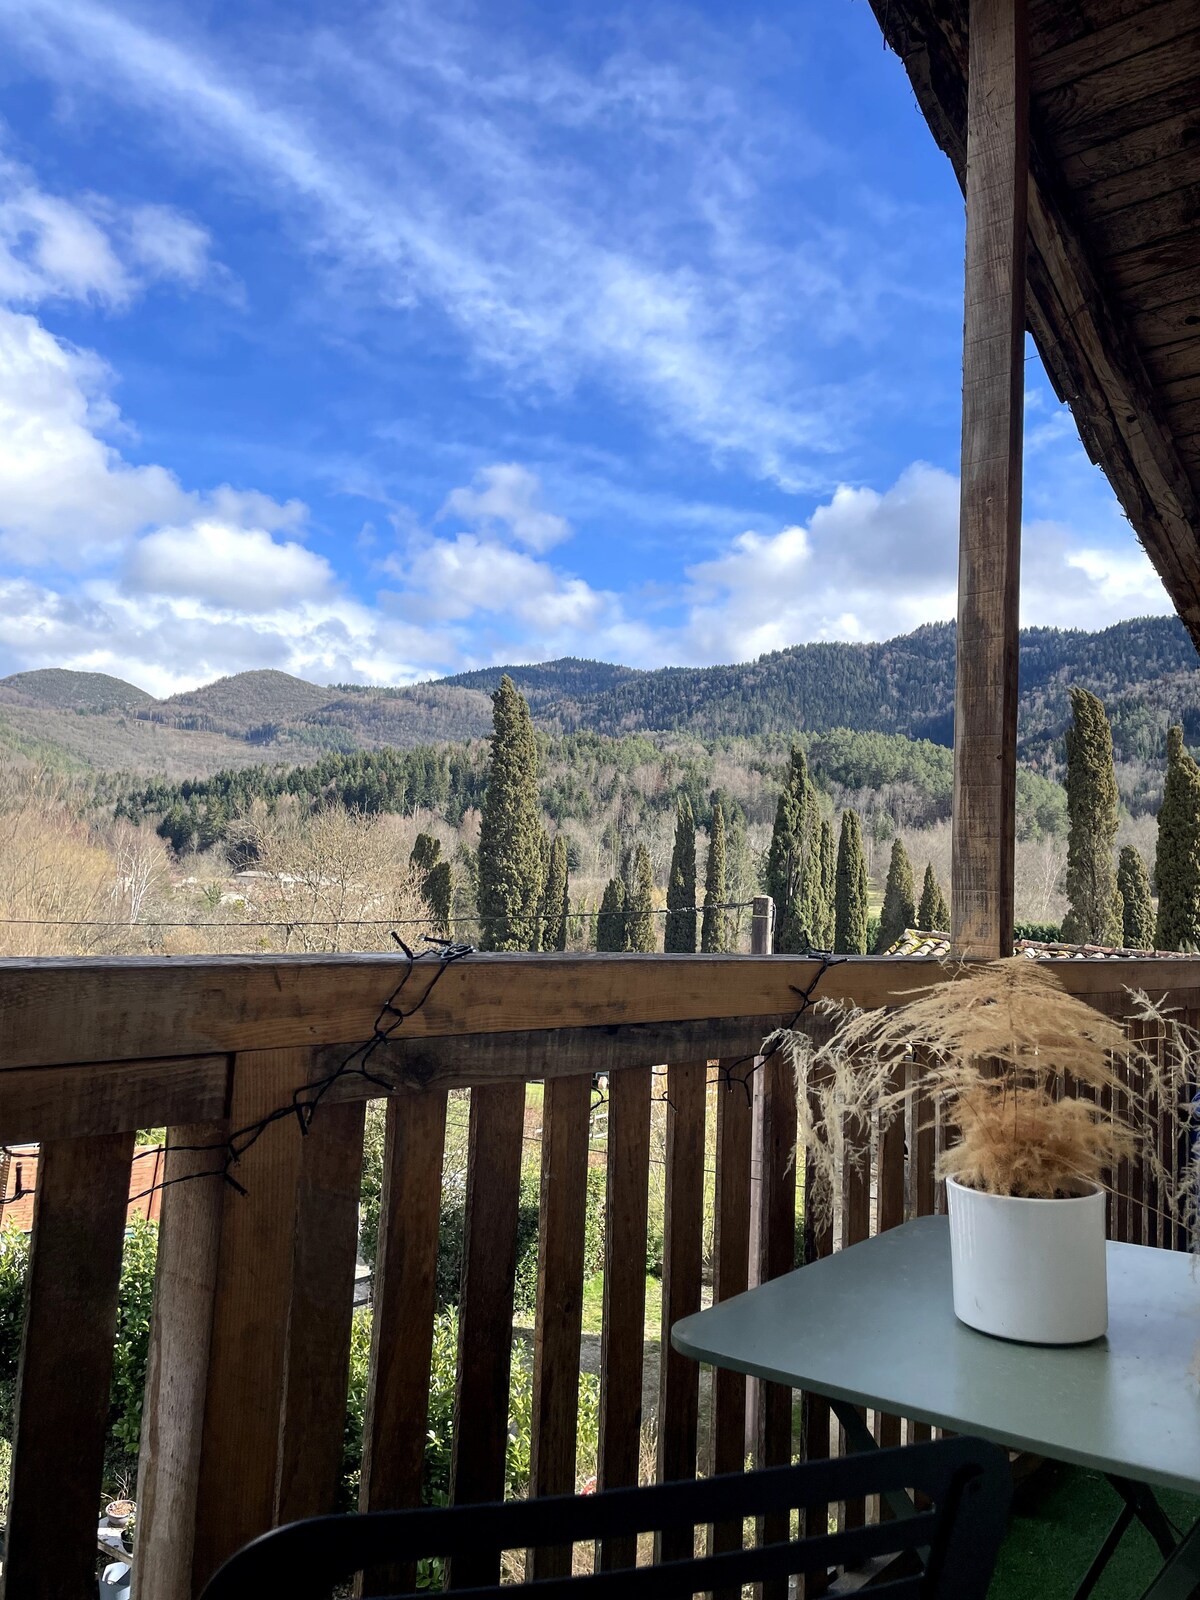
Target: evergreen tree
(1092,825)
(1137,912)
(793,865)
(611,931)
(828,886)
(1177,858)
(640,918)
(933,914)
(554,922)
(425,855)
(510,864)
(544,848)
(899,910)
(712,932)
(850,899)
(681,886)
(437,890)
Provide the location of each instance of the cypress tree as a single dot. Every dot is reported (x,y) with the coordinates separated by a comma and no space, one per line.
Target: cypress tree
(712,932)
(899,911)
(610,923)
(681,885)
(1177,858)
(828,885)
(1137,932)
(791,867)
(437,890)
(425,855)
(510,834)
(544,848)
(640,916)
(933,914)
(850,898)
(1093,917)
(554,922)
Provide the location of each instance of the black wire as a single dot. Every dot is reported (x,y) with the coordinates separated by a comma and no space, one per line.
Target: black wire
(307,1098)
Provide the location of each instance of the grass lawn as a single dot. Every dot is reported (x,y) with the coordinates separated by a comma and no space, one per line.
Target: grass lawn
(1060,1517)
(593,1303)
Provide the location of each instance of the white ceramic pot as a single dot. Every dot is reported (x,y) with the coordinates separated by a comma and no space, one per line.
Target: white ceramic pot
(1029,1269)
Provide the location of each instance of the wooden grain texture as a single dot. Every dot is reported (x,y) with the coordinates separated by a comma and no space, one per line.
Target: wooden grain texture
(317,1356)
(558,1322)
(1106,104)
(65,1368)
(624,1314)
(236,1495)
(185,1282)
(111,1097)
(550,1053)
(731,1266)
(485,1311)
(1148,28)
(989,552)
(777,1255)
(63,1012)
(679,1375)
(404,1303)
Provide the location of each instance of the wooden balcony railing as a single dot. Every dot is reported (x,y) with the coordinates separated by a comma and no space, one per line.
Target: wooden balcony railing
(246,1390)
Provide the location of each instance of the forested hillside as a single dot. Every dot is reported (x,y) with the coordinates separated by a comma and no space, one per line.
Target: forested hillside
(1145,670)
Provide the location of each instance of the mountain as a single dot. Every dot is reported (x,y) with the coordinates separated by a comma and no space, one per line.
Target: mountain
(1146,670)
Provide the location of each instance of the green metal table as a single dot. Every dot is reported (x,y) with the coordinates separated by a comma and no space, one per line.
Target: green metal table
(874,1326)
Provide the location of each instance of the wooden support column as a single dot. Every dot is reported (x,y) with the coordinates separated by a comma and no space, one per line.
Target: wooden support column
(985,710)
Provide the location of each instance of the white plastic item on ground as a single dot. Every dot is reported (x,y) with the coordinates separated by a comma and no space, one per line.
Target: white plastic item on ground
(1033,1270)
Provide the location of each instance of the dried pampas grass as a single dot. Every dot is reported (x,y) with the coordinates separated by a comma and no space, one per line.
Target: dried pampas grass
(1045,1094)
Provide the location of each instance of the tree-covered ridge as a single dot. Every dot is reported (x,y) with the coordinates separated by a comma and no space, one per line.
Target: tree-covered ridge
(1145,670)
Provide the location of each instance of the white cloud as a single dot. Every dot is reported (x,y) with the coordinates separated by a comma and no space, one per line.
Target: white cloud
(91,249)
(232,567)
(509,496)
(66,494)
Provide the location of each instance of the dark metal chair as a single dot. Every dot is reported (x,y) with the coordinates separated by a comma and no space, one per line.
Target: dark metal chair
(962,1486)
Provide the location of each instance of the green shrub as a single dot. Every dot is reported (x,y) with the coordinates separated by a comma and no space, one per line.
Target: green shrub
(14,1263)
(1042,932)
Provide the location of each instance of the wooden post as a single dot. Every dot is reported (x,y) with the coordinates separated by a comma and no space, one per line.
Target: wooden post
(762,926)
(985,711)
(762,943)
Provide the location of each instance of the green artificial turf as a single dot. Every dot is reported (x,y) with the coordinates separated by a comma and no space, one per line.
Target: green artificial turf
(1060,1518)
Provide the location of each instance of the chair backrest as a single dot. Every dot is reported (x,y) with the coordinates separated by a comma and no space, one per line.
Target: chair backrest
(962,1486)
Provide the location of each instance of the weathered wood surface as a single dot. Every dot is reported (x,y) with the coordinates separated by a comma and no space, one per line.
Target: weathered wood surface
(63,1012)
(185,1283)
(404,1304)
(485,1311)
(989,551)
(624,1316)
(678,1376)
(558,1322)
(731,1267)
(317,1354)
(111,1097)
(777,1255)
(236,1496)
(65,1369)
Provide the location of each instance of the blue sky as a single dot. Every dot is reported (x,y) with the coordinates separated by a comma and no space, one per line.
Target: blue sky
(375,341)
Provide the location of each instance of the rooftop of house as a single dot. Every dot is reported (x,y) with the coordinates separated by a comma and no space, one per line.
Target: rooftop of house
(918,942)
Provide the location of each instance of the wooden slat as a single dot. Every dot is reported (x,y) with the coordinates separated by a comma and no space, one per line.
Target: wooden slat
(404,1303)
(985,716)
(317,1357)
(111,1097)
(236,1496)
(890,1203)
(624,1317)
(185,1283)
(1109,103)
(731,1264)
(777,1255)
(558,1323)
(1133,159)
(1165,216)
(551,1053)
(856,1226)
(678,1375)
(65,1368)
(817,1418)
(486,1309)
(1148,28)
(63,1012)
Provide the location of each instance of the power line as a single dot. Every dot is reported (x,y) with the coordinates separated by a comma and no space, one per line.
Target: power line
(330,922)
